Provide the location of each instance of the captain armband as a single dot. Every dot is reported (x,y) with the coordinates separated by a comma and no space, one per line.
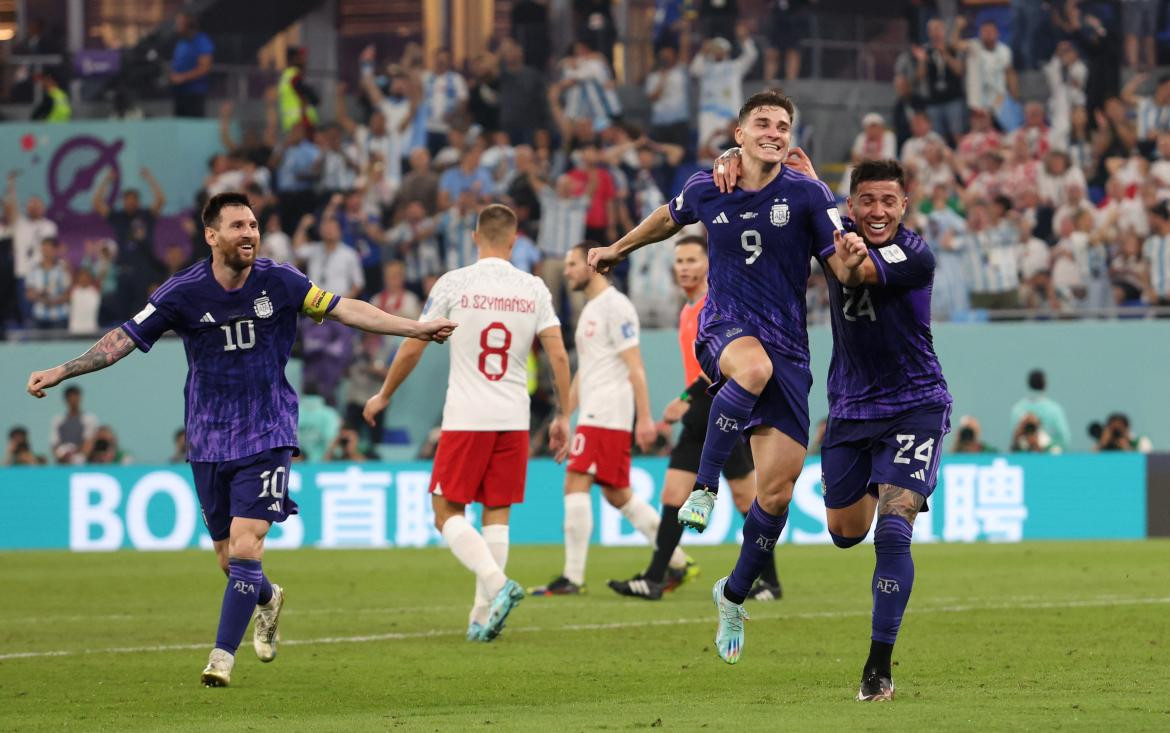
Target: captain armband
(318,302)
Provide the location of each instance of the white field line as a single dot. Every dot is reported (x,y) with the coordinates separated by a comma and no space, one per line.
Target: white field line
(400,636)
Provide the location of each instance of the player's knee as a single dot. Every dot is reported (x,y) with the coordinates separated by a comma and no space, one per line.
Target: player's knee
(893,534)
(774,497)
(846,542)
(754,376)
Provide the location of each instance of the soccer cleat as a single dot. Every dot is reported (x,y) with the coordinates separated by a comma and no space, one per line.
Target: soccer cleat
(729,635)
(475,632)
(638,587)
(265,634)
(561,586)
(677,576)
(696,510)
(218,672)
(875,688)
(762,591)
(502,605)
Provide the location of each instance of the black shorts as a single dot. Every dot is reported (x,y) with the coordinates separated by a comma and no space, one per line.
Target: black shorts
(689,449)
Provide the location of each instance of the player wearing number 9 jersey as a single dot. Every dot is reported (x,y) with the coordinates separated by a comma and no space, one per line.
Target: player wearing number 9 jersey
(483,447)
(237,316)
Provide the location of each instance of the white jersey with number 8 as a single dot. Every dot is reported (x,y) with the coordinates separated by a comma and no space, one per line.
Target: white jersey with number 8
(500,310)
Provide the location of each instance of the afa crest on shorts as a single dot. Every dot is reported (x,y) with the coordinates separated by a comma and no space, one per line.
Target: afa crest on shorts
(779,214)
(263,306)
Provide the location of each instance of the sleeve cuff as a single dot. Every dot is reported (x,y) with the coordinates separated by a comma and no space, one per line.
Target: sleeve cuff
(877,265)
(128,329)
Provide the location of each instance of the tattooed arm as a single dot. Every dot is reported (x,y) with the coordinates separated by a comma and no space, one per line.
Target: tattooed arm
(112,347)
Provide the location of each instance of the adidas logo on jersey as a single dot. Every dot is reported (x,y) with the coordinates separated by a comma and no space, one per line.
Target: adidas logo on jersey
(919,474)
(274,506)
(721,219)
(207,318)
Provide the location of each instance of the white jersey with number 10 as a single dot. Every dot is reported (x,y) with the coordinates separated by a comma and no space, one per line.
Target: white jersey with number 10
(500,310)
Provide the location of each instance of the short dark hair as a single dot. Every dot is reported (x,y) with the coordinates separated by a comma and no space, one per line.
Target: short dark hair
(877,170)
(766,98)
(50,240)
(217,202)
(18,430)
(584,247)
(72,389)
(692,239)
(1036,380)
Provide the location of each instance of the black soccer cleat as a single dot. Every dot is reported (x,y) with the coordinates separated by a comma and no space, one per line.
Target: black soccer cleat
(638,587)
(763,591)
(875,687)
(677,576)
(561,586)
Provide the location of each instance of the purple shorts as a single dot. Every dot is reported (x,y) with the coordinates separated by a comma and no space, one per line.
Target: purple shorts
(903,451)
(784,402)
(254,487)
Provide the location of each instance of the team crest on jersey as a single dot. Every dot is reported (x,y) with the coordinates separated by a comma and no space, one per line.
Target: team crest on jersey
(779,214)
(263,306)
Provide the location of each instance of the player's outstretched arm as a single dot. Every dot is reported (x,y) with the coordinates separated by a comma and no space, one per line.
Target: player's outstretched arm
(109,349)
(405,360)
(365,317)
(654,228)
(558,430)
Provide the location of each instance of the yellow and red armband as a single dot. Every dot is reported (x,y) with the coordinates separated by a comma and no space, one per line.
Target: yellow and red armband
(318,302)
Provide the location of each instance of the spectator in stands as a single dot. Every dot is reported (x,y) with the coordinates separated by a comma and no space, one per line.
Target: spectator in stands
(1151,113)
(297,100)
(1139,20)
(19,451)
(317,424)
(943,225)
(913,150)
(297,161)
(190,67)
(587,86)
(133,226)
(939,66)
(526,256)
(414,241)
(1067,77)
(47,288)
(1129,272)
(466,176)
(593,23)
(71,434)
(1157,253)
(421,184)
(874,142)
(85,300)
(179,455)
(989,249)
(29,229)
(98,258)
(530,28)
(788,23)
(1035,272)
(717,18)
(1047,412)
(455,227)
(1115,435)
(275,244)
(444,98)
(523,94)
(667,89)
(969,438)
(104,450)
(992,84)
(562,224)
(348,446)
(339,164)
(483,95)
(721,80)
(1057,179)
(393,113)
(361,231)
(54,105)
(328,262)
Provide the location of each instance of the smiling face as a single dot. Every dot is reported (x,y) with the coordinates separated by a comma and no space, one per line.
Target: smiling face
(878,208)
(235,238)
(765,134)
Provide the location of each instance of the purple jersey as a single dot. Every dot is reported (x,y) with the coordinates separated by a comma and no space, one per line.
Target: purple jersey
(238,401)
(883,354)
(760,244)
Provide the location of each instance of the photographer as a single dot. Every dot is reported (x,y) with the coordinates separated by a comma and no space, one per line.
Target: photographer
(1029,436)
(19,453)
(1115,435)
(105,450)
(969,439)
(347,447)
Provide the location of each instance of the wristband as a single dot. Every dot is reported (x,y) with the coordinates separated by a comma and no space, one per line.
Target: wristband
(685,396)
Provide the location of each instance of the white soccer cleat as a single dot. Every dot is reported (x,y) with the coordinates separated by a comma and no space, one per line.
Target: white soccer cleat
(729,635)
(265,633)
(218,672)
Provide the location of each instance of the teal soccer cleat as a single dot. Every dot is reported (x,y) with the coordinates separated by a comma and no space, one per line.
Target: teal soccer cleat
(502,605)
(475,632)
(729,636)
(696,510)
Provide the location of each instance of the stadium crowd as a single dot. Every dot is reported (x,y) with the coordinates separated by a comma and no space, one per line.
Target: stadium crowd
(1054,203)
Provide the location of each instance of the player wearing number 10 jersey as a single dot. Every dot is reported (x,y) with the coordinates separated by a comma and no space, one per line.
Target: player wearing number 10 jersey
(237,316)
(483,448)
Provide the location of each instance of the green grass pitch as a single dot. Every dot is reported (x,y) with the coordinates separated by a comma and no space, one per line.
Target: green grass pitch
(1038,636)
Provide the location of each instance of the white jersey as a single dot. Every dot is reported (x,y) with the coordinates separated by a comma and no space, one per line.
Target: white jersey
(608,326)
(500,310)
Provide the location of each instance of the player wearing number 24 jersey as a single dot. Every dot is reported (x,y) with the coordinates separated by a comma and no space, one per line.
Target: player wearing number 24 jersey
(483,447)
(237,316)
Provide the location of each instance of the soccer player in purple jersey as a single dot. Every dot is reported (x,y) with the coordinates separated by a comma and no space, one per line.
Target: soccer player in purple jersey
(237,315)
(889,407)
(753,340)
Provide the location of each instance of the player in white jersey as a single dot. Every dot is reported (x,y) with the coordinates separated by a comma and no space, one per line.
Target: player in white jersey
(483,449)
(610,389)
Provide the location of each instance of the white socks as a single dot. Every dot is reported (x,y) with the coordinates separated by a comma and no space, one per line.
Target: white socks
(640,514)
(472,550)
(578,529)
(496,537)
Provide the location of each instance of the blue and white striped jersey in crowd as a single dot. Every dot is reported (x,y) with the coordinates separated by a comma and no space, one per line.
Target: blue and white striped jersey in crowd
(54,282)
(672,105)
(593,95)
(421,254)
(455,228)
(562,222)
(992,259)
(1157,253)
(721,82)
(442,94)
(647,195)
(1151,118)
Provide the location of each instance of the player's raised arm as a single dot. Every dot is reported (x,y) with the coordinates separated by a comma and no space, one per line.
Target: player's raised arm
(365,317)
(109,349)
(558,431)
(654,228)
